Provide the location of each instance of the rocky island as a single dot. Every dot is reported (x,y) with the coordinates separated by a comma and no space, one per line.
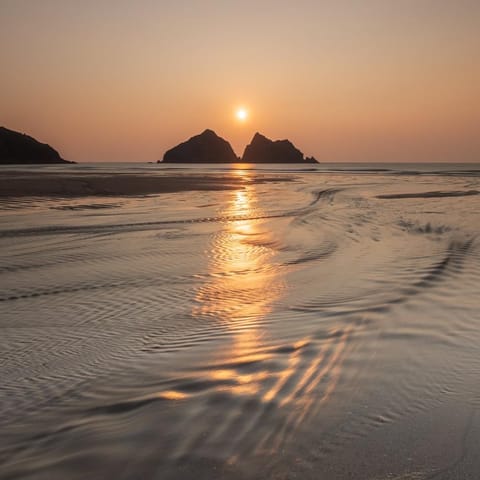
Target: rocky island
(208,147)
(263,150)
(18,148)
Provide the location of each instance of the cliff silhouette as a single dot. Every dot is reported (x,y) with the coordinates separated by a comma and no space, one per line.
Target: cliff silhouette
(18,148)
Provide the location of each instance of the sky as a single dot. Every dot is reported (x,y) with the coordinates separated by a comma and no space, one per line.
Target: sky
(346,81)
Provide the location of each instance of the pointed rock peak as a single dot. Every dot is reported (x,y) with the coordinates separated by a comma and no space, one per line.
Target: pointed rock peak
(259,136)
(209,132)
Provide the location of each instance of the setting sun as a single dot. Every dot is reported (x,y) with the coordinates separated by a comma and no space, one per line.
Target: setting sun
(241,114)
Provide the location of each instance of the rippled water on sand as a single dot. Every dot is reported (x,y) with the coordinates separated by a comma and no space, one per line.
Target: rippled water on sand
(322,327)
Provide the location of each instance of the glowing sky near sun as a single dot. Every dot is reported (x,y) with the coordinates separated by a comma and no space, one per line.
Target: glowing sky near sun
(358,80)
(241,114)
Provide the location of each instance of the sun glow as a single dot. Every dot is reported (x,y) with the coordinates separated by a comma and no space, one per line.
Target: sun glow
(241,114)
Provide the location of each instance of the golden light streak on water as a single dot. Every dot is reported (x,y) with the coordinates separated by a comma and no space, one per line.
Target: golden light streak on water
(243,282)
(172,395)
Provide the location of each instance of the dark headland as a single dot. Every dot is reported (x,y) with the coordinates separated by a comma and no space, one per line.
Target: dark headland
(18,148)
(208,147)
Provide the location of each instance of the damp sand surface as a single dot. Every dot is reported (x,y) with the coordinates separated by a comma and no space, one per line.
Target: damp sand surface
(71,184)
(240,323)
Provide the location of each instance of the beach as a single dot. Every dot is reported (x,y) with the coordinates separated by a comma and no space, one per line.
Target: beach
(219,322)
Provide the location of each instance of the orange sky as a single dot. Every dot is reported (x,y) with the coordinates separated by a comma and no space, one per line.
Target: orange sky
(357,80)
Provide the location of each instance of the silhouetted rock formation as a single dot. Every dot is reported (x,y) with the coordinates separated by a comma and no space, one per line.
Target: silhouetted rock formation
(207,147)
(18,148)
(263,150)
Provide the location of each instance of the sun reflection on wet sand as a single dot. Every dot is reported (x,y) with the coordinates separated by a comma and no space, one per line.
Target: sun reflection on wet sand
(273,386)
(244,282)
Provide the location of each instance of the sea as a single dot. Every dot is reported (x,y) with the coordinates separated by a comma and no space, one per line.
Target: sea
(322,324)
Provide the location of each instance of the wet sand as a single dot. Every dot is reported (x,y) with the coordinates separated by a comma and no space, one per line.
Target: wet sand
(398,196)
(41,184)
(286,325)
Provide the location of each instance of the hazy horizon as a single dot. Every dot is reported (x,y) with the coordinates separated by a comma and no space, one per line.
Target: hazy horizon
(350,81)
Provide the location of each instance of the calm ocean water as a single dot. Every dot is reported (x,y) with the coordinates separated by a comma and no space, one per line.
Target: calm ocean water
(324,327)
